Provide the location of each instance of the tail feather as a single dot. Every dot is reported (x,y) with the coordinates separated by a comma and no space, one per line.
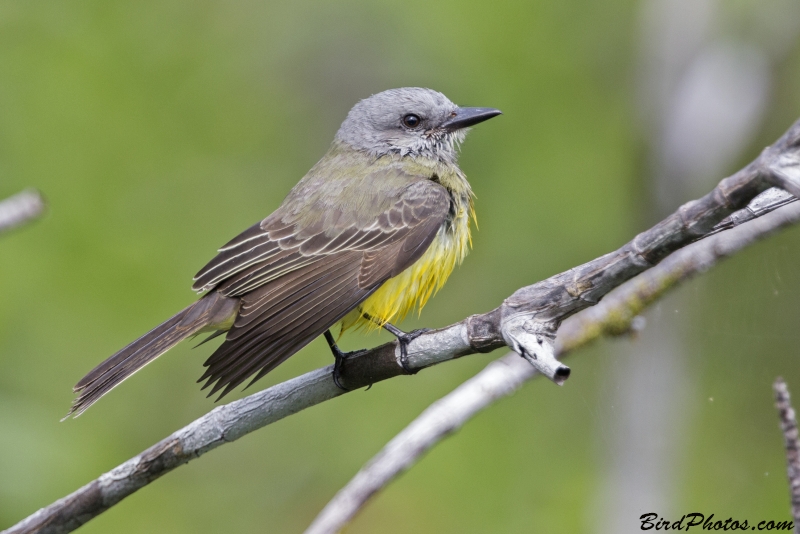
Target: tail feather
(210,311)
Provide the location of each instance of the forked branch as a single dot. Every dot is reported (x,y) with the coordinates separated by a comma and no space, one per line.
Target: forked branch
(527,322)
(615,315)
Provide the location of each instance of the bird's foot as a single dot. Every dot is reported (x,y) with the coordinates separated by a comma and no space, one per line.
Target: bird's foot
(404,338)
(338,359)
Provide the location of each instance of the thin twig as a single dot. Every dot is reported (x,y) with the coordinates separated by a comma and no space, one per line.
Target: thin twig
(792,444)
(20,209)
(613,316)
(768,201)
(526,321)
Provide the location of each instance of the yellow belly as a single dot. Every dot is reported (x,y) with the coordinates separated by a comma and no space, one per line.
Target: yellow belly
(414,286)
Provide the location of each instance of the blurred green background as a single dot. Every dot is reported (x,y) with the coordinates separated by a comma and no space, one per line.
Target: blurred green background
(159,130)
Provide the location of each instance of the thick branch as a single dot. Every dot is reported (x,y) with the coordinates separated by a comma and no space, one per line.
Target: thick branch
(20,209)
(792,443)
(502,377)
(526,321)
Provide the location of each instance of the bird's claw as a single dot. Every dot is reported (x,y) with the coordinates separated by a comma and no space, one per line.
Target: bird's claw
(404,339)
(338,362)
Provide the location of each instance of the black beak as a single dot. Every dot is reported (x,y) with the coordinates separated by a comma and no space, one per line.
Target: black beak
(464,117)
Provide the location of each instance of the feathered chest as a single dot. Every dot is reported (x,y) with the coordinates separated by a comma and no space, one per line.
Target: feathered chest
(415,285)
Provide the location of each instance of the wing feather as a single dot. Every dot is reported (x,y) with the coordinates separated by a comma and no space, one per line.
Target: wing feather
(297,280)
(260,348)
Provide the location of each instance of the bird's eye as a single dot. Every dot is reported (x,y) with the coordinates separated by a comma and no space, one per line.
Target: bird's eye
(411,120)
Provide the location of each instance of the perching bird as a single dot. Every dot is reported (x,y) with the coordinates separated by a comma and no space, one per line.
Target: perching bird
(373,229)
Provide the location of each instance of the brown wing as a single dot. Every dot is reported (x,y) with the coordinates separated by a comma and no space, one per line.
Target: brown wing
(295,282)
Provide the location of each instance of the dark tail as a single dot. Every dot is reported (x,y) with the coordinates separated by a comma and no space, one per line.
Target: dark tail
(211,310)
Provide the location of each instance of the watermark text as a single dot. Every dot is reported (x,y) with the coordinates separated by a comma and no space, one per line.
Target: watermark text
(697,521)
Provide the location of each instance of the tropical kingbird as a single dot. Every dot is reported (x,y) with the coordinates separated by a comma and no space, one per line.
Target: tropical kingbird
(373,229)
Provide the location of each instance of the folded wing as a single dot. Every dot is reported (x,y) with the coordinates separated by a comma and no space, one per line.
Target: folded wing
(296,278)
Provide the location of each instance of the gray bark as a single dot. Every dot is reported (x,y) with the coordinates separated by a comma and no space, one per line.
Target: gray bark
(614,316)
(792,444)
(526,321)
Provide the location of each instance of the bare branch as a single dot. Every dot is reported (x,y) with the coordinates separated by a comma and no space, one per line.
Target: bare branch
(20,209)
(526,322)
(616,314)
(222,425)
(768,201)
(498,379)
(613,316)
(792,444)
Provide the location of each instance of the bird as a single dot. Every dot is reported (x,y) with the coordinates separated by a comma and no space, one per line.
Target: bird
(367,235)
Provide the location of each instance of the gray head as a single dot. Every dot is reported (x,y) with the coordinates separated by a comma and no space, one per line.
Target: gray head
(410,121)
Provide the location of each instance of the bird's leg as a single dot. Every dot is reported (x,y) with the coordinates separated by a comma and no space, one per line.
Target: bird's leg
(403,338)
(339,357)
